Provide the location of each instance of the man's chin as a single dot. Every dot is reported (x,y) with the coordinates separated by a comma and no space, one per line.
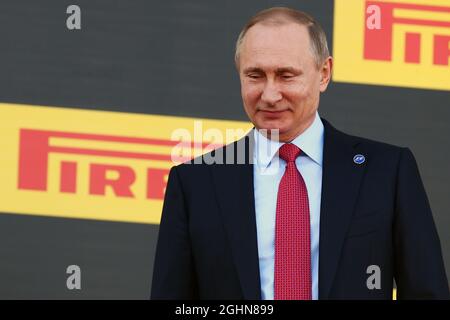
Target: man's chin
(272,132)
(273,125)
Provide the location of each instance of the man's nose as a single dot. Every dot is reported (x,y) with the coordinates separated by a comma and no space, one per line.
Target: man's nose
(271,94)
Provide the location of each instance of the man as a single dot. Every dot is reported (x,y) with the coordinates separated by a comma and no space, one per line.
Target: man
(320,215)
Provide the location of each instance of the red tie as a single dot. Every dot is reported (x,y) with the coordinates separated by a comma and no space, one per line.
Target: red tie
(292,232)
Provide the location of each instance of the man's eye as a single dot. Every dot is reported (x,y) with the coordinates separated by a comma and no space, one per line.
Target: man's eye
(254,76)
(287,76)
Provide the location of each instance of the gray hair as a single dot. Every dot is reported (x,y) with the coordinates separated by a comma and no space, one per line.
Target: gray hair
(282,15)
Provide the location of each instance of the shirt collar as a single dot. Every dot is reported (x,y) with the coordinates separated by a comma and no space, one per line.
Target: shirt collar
(310,142)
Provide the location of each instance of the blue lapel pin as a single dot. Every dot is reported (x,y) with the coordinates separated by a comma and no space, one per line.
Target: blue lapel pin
(359,159)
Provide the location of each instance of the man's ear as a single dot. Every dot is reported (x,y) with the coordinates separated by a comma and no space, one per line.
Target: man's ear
(325,73)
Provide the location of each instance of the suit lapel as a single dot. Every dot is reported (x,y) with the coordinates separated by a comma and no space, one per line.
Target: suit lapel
(341,178)
(234,191)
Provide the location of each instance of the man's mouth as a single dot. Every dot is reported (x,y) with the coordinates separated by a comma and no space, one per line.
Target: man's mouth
(272,113)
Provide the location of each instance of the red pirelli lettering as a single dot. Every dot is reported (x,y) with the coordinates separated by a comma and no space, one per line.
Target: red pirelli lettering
(378,43)
(35,148)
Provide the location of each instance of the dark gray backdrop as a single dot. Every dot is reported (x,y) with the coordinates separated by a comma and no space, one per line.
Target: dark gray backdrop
(172,58)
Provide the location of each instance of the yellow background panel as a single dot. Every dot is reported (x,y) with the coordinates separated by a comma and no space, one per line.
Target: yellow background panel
(81,204)
(348,44)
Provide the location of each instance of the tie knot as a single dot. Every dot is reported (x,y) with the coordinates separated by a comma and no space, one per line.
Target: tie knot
(289,152)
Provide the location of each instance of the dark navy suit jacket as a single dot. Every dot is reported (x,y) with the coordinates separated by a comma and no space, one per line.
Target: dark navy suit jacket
(374,213)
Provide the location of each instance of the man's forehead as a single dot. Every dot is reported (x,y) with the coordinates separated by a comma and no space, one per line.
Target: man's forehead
(273,60)
(275,41)
(263,33)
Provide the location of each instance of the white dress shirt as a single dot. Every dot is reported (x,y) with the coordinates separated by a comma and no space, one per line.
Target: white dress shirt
(268,169)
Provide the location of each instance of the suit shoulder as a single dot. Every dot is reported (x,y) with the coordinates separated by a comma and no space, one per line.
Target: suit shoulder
(379,145)
(237,152)
(199,165)
(372,145)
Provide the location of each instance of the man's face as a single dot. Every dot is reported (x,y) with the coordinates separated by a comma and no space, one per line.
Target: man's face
(280,81)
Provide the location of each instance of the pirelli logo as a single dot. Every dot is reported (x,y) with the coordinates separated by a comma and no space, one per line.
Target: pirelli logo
(94,164)
(396,43)
(35,148)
